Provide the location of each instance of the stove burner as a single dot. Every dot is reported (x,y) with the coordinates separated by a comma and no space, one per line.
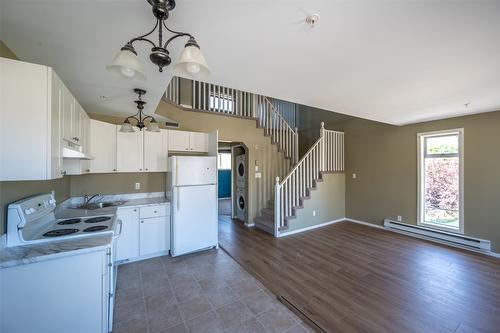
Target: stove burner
(95,228)
(69,221)
(60,232)
(97,219)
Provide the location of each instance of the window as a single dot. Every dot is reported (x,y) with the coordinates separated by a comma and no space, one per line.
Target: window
(440,180)
(224,161)
(221,102)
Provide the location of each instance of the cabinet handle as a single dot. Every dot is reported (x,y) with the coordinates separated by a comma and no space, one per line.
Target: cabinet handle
(147,169)
(156,212)
(142,221)
(135,210)
(140,169)
(88,170)
(114,169)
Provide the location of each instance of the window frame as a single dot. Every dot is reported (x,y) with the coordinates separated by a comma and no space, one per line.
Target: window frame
(421,155)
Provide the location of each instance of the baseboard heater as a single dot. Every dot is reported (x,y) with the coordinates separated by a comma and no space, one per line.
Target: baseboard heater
(443,236)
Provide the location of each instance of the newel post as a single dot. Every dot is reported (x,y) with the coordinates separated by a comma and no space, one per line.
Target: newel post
(322,147)
(277,207)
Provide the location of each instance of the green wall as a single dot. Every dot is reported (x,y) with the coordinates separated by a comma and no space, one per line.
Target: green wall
(384,158)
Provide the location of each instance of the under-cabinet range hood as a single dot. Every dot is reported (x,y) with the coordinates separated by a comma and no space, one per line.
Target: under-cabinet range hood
(71,150)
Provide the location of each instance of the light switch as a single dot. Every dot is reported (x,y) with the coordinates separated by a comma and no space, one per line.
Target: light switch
(353,176)
(137,186)
(258,175)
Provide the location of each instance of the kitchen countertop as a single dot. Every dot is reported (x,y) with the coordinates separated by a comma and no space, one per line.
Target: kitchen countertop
(63,212)
(27,254)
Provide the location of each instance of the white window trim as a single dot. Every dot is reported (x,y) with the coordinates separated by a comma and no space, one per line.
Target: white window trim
(420,179)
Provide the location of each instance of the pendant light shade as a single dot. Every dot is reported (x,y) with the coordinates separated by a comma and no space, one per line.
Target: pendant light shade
(153,126)
(127,64)
(127,127)
(192,61)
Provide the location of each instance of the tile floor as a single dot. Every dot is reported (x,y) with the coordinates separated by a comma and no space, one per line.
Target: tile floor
(206,292)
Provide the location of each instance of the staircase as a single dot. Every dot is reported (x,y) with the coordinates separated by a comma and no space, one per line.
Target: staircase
(325,155)
(270,114)
(278,120)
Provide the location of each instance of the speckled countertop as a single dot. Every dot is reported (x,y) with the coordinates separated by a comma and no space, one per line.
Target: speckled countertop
(27,254)
(21,255)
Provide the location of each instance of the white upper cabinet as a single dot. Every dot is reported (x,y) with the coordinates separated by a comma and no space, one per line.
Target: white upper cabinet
(102,147)
(178,140)
(31,150)
(67,115)
(187,141)
(155,151)
(198,142)
(129,151)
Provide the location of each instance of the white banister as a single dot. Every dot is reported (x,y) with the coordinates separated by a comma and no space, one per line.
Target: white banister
(325,155)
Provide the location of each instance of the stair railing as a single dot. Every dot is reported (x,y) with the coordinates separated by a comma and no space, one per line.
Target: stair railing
(325,155)
(233,102)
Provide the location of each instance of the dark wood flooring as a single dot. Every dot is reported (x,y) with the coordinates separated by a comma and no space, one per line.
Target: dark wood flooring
(348,277)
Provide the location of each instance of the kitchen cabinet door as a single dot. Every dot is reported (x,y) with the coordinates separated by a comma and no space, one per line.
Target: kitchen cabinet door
(85,139)
(56,102)
(129,151)
(154,235)
(68,112)
(155,151)
(102,147)
(198,142)
(127,247)
(178,140)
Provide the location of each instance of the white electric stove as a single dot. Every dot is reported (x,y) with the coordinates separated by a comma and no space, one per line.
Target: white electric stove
(32,220)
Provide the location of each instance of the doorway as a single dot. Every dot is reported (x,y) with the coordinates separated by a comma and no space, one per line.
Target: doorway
(232,164)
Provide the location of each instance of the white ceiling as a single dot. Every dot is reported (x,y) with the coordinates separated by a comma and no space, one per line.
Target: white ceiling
(393,61)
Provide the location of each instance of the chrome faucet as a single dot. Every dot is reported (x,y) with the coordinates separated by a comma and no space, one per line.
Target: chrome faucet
(86,198)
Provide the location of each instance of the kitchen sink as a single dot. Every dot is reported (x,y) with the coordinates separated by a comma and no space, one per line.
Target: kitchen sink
(98,205)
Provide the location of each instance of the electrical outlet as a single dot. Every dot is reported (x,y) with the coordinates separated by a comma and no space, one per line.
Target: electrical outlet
(137,186)
(399,218)
(353,176)
(314,212)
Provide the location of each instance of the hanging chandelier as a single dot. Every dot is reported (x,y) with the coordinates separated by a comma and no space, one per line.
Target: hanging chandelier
(139,118)
(191,59)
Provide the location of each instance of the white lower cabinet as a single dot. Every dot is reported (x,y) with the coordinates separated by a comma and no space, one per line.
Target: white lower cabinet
(73,287)
(154,236)
(145,232)
(127,247)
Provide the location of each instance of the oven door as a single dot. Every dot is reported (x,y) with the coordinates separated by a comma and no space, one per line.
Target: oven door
(113,273)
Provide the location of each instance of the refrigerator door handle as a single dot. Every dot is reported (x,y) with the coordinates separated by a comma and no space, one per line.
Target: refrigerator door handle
(176,172)
(178,198)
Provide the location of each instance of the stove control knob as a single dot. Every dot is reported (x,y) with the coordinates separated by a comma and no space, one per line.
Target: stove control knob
(52,201)
(27,211)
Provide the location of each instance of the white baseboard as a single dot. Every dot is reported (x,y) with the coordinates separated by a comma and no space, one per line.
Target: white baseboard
(488,253)
(288,233)
(368,224)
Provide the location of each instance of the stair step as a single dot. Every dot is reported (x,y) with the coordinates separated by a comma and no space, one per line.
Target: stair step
(269,212)
(265,224)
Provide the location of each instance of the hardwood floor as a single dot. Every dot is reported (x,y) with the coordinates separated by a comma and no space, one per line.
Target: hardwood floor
(348,277)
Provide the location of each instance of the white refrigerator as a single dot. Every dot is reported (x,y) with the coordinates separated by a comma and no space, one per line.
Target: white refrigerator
(192,181)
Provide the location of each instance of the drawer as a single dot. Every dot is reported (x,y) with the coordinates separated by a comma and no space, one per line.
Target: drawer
(154,211)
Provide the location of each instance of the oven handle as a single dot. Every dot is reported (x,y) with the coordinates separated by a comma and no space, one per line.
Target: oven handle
(120,225)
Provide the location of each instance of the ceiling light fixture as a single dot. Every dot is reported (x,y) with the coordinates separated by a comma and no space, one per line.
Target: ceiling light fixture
(312,19)
(139,117)
(191,59)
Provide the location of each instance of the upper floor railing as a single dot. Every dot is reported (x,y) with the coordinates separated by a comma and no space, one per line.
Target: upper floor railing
(271,114)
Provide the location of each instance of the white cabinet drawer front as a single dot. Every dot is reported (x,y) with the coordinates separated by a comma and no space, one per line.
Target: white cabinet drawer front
(154,211)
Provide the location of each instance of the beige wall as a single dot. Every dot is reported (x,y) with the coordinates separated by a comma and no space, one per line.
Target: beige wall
(384,158)
(116,183)
(328,201)
(260,150)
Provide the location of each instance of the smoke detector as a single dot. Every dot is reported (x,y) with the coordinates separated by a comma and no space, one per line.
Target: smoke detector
(312,19)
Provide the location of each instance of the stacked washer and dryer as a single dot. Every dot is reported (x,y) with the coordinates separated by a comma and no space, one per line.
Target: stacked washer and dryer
(241,200)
